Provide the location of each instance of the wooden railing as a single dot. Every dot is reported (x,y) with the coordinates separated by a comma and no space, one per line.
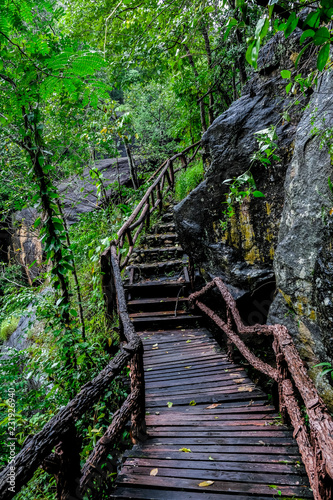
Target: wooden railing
(60,432)
(315,441)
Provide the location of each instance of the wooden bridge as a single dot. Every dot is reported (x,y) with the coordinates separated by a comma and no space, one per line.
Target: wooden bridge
(200,427)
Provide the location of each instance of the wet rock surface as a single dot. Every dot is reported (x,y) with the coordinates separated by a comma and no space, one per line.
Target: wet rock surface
(304,259)
(243,254)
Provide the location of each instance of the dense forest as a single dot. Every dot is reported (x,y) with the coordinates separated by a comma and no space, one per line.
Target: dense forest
(94,97)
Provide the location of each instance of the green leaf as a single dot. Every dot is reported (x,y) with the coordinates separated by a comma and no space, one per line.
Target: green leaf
(306,34)
(291,24)
(73,313)
(37,222)
(323,56)
(286,73)
(313,19)
(321,36)
(258,194)
(301,53)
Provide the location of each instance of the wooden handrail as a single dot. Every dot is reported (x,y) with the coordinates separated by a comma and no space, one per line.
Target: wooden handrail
(317,447)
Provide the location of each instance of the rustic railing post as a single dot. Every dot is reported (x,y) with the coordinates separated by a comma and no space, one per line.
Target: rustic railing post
(148,214)
(108,284)
(183,161)
(159,197)
(64,464)
(282,370)
(230,345)
(172,174)
(138,430)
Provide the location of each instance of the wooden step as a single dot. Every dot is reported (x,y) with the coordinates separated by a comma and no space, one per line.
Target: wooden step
(158,321)
(167,227)
(159,254)
(159,304)
(157,239)
(157,288)
(170,268)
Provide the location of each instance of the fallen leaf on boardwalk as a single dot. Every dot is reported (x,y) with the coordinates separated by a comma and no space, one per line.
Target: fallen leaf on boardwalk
(192,403)
(211,458)
(261,442)
(185,450)
(226,370)
(245,388)
(238,380)
(188,367)
(216,417)
(148,369)
(187,341)
(157,412)
(153,472)
(169,404)
(211,407)
(205,483)
(154,348)
(250,403)
(155,345)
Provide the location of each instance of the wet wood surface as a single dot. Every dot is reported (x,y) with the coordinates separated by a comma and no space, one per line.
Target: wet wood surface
(212,434)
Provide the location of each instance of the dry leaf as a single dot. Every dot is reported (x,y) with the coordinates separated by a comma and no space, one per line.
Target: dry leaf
(185,450)
(211,407)
(155,345)
(205,483)
(245,388)
(187,367)
(238,380)
(211,458)
(261,442)
(153,472)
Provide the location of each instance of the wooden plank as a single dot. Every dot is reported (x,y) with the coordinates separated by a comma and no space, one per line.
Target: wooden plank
(222,457)
(277,468)
(217,486)
(202,473)
(154,494)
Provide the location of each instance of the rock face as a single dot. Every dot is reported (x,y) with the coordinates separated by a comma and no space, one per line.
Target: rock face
(244,253)
(286,236)
(304,259)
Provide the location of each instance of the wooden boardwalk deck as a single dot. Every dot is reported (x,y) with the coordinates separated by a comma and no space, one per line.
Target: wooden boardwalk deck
(229,437)
(212,434)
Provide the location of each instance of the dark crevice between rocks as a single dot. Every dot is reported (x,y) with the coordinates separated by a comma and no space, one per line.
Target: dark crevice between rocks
(254,306)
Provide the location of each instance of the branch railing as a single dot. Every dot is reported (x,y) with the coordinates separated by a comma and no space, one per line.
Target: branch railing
(315,441)
(59,434)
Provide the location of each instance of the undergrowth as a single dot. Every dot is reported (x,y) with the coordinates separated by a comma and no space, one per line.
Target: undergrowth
(188,179)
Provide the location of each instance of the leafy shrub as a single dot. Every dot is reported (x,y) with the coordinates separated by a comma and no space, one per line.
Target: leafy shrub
(188,180)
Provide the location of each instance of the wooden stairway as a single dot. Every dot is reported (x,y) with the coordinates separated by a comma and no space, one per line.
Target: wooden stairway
(212,434)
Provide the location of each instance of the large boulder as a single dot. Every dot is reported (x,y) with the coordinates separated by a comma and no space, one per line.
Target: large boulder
(244,253)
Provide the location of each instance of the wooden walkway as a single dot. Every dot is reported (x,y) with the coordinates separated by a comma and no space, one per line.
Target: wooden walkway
(212,434)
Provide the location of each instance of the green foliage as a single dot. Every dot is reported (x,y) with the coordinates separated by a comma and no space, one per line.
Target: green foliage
(319,35)
(327,369)
(7,327)
(187,180)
